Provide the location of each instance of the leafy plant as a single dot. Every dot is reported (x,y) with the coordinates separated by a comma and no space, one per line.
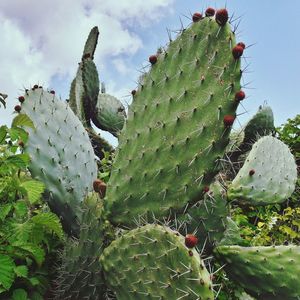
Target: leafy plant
(29,232)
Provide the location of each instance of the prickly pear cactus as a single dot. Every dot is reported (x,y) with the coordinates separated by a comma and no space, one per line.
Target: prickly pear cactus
(61,154)
(152,262)
(178,125)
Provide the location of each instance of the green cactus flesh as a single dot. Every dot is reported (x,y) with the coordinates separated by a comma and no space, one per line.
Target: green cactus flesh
(80,276)
(91,43)
(268,176)
(207,218)
(109,114)
(152,262)
(261,124)
(264,272)
(61,154)
(170,145)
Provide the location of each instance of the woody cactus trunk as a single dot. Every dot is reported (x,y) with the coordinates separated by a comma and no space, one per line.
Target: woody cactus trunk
(133,244)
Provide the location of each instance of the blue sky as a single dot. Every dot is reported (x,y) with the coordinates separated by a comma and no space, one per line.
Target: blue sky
(46,48)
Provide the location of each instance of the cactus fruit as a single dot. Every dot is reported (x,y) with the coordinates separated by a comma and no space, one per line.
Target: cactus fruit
(222,16)
(169,148)
(268,176)
(152,262)
(191,240)
(197,17)
(264,272)
(210,12)
(61,154)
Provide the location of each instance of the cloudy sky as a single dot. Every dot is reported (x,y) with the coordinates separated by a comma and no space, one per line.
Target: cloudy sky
(42,41)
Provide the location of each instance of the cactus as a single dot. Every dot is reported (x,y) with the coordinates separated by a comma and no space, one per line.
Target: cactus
(61,154)
(268,176)
(169,151)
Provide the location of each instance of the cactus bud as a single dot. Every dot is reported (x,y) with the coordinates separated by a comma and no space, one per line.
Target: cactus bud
(99,187)
(210,12)
(237,51)
(241,44)
(240,95)
(197,17)
(191,241)
(18,108)
(228,120)
(21,99)
(222,16)
(153,59)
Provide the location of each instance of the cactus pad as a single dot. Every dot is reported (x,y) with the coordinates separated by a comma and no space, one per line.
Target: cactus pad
(174,135)
(264,272)
(61,154)
(152,262)
(268,175)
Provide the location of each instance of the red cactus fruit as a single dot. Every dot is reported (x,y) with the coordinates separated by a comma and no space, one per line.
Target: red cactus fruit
(191,241)
(251,172)
(21,99)
(133,92)
(21,143)
(237,51)
(240,95)
(153,59)
(206,189)
(228,120)
(210,12)
(18,108)
(222,16)
(52,92)
(241,44)
(197,17)
(99,187)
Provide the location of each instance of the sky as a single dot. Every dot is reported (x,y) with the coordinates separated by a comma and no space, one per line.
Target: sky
(42,41)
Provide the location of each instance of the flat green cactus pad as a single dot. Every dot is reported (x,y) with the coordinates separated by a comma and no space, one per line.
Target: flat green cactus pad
(267,273)
(268,176)
(170,146)
(61,154)
(152,262)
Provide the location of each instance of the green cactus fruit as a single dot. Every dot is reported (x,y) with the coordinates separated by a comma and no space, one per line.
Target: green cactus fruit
(176,130)
(91,43)
(264,272)
(268,176)
(207,218)
(61,154)
(80,276)
(109,113)
(232,235)
(261,124)
(152,262)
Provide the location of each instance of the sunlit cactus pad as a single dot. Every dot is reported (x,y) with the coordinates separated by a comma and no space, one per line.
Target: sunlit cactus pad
(174,135)
(268,176)
(265,272)
(152,262)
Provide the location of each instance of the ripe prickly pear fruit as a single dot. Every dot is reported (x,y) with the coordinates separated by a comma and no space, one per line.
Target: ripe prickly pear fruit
(237,51)
(191,240)
(228,120)
(222,16)
(210,12)
(197,17)
(18,108)
(241,44)
(21,99)
(153,59)
(240,95)
(99,187)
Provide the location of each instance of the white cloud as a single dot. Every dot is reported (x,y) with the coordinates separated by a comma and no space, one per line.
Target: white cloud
(42,39)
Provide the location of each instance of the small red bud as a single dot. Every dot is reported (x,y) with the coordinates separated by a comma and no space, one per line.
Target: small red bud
(237,51)
(222,16)
(133,92)
(228,120)
(197,17)
(251,172)
(210,12)
(99,187)
(153,59)
(191,241)
(18,108)
(241,44)
(52,92)
(240,95)
(21,99)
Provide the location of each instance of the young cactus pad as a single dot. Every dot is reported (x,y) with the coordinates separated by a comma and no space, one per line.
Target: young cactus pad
(175,133)
(268,176)
(268,273)
(152,262)
(61,154)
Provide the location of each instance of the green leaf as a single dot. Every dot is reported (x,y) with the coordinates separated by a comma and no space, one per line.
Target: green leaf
(3,133)
(7,274)
(21,208)
(49,222)
(34,281)
(19,294)
(19,160)
(34,190)
(37,253)
(22,120)
(21,271)
(4,211)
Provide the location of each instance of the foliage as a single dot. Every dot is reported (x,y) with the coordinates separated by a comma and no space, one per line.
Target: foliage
(29,232)
(106,165)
